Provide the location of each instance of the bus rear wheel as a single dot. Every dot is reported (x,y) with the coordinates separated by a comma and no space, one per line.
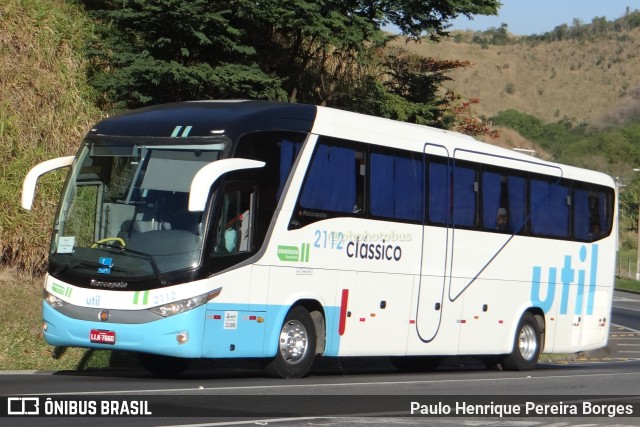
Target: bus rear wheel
(296,346)
(526,346)
(164,366)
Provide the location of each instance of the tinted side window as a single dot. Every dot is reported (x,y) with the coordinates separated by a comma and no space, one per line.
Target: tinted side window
(334,183)
(234,230)
(504,201)
(396,186)
(330,184)
(439,192)
(465,188)
(517,202)
(592,212)
(549,203)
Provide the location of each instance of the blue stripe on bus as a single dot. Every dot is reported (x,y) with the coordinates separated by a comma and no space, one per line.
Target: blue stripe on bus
(243,336)
(256,333)
(157,337)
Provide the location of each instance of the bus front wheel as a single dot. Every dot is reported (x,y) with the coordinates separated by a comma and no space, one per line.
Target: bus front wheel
(526,346)
(296,346)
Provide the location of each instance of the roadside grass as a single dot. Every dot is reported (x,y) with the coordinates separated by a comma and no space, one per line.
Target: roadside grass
(627,285)
(22,346)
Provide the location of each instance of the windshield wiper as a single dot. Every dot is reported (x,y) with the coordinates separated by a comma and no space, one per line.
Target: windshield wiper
(141,254)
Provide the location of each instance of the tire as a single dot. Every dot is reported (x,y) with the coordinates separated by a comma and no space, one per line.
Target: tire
(164,366)
(415,363)
(296,346)
(526,345)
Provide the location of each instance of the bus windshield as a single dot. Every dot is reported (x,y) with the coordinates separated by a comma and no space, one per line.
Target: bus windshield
(124,212)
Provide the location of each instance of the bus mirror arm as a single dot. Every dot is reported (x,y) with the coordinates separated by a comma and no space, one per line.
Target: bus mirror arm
(208,175)
(29,184)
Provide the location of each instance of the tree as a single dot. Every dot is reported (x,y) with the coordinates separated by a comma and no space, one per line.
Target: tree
(527,125)
(328,52)
(560,32)
(416,79)
(158,51)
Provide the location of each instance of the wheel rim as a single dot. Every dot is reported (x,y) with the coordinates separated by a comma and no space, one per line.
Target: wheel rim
(527,342)
(293,341)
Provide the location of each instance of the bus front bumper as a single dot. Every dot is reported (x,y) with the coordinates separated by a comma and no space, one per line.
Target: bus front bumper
(179,335)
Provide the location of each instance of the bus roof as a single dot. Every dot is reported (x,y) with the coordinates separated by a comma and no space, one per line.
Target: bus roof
(208,118)
(238,117)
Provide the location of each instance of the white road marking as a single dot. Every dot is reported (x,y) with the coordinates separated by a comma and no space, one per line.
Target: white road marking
(316,386)
(626,308)
(625,328)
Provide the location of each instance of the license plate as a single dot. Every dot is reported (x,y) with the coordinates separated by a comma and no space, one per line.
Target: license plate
(102,337)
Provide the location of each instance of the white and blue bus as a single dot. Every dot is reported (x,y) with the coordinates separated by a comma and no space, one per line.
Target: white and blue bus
(247,229)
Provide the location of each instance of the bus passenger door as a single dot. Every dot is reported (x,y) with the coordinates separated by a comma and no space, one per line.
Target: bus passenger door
(435,245)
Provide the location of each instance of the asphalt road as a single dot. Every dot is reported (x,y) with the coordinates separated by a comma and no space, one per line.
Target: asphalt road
(222,397)
(626,309)
(624,335)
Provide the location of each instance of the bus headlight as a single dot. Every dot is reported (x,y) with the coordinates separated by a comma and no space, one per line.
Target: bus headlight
(53,300)
(182,306)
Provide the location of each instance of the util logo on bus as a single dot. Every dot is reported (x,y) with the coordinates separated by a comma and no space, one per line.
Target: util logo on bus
(571,273)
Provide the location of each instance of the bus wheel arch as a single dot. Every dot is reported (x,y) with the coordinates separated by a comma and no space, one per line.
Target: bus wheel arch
(299,340)
(528,342)
(317,314)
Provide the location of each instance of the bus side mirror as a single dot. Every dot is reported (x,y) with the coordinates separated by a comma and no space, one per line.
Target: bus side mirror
(29,184)
(205,177)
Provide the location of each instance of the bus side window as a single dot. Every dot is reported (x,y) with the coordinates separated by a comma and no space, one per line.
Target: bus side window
(234,229)
(397,186)
(465,194)
(333,185)
(549,204)
(504,203)
(591,213)
(330,182)
(439,192)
